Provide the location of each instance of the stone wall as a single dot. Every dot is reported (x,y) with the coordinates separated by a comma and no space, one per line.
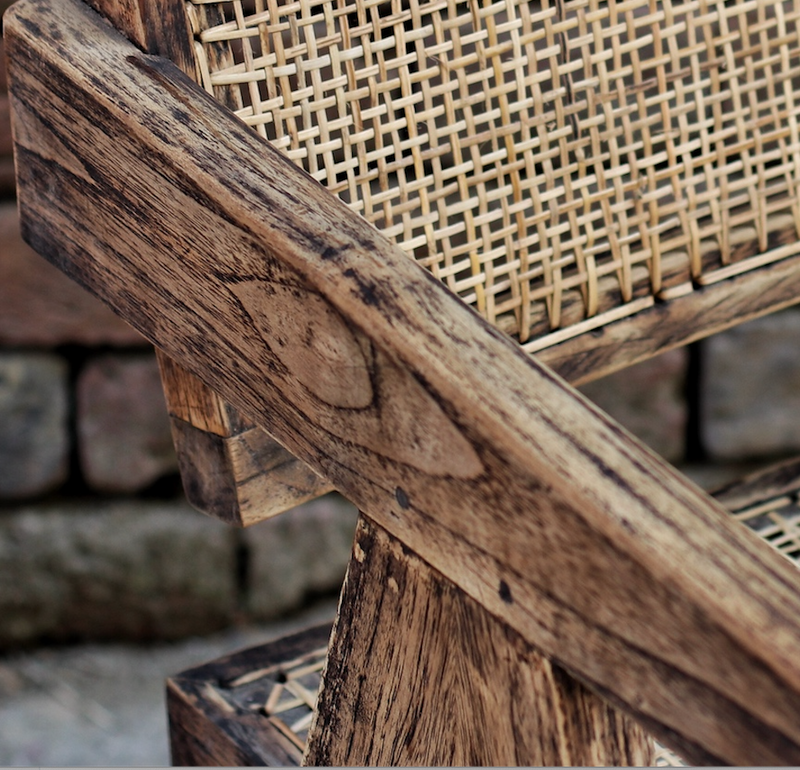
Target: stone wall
(96,541)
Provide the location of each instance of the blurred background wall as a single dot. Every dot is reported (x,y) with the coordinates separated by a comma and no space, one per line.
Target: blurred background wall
(96,540)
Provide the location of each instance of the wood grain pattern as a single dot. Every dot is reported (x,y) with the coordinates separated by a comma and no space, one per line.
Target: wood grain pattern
(241,479)
(457,688)
(766,484)
(585,357)
(671,324)
(126,16)
(538,507)
(155,26)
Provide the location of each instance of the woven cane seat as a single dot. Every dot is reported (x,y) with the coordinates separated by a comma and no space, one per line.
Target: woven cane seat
(559,165)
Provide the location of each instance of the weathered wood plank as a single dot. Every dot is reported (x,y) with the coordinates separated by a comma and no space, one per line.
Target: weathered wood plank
(126,16)
(155,26)
(457,688)
(671,324)
(581,359)
(207,434)
(244,478)
(777,480)
(479,459)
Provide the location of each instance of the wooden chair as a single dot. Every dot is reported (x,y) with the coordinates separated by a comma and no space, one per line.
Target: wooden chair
(601,182)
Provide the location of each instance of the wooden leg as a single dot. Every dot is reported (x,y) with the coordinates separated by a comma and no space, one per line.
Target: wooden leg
(230,468)
(419,674)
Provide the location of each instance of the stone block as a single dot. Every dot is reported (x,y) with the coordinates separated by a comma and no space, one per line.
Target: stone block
(113,570)
(648,399)
(40,306)
(750,402)
(34,438)
(299,553)
(124,437)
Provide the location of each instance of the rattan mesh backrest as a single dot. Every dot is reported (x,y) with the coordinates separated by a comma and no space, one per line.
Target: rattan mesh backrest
(552,163)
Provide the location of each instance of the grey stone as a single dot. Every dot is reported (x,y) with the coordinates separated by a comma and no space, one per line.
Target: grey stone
(124,434)
(114,570)
(102,705)
(34,439)
(648,399)
(751,389)
(304,551)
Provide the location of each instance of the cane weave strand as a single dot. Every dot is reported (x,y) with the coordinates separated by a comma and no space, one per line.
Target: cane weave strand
(554,163)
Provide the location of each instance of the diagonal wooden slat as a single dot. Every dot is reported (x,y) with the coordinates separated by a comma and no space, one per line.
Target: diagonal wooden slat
(476,457)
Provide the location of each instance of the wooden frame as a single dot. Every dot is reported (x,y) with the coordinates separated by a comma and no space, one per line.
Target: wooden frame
(230,468)
(211,724)
(485,465)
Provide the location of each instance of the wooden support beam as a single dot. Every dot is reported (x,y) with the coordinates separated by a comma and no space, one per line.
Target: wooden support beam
(670,324)
(457,688)
(479,459)
(580,359)
(155,26)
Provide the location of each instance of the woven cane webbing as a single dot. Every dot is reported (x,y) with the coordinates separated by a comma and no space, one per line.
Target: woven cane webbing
(285,694)
(554,163)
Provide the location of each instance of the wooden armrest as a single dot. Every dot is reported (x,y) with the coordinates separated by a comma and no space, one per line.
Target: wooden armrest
(479,459)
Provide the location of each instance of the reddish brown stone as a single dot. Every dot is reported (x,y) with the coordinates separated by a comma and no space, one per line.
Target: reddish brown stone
(39,306)
(124,435)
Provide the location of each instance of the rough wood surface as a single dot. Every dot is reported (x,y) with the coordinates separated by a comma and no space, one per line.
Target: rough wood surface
(670,324)
(209,727)
(155,26)
(230,468)
(580,359)
(241,479)
(769,483)
(478,458)
(458,688)
(126,16)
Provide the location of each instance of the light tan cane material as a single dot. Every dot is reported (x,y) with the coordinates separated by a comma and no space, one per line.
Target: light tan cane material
(559,165)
